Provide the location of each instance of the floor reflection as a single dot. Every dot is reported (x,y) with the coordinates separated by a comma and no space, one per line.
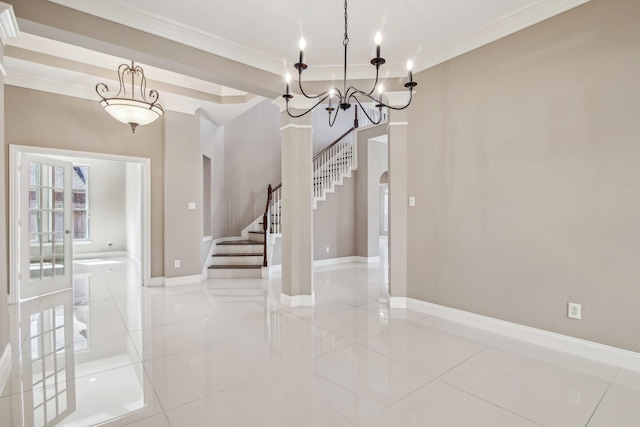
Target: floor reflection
(62,374)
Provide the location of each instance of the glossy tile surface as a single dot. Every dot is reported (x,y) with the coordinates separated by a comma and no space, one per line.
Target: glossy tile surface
(226,352)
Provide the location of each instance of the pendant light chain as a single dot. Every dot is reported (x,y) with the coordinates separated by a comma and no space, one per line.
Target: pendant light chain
(346,18)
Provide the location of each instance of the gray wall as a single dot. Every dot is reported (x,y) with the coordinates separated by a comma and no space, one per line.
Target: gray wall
(372,162)
(42,119)
(107,206)
(334,223)
(183,185)
(323,134)
(523,159)
(252,149)
(212,146)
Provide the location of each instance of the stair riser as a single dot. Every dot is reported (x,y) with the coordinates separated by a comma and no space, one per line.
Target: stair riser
(256,237)
(239,249)
(254,273)
(237,260)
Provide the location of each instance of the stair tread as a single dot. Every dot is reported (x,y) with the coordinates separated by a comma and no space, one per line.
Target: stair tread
(257,232)
(229,267)
(242,254)
(240,242)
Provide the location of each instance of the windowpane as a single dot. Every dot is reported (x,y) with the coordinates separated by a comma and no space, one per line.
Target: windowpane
(80,225)
(80,202)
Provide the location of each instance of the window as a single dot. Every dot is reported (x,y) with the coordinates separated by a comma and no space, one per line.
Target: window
(80,202)
(80,199)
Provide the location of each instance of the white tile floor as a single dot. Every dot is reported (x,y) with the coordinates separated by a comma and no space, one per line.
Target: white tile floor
(226,353)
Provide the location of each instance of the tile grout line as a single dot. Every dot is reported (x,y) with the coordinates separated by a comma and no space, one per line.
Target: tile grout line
(602,397)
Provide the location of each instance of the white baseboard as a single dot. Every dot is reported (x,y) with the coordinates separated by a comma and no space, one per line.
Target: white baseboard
(333,261)
(91,255)
(599,352)
(183,280)
(277,268)
(298,300)
(156,281)
(398,302)
(6,363)
(368,260)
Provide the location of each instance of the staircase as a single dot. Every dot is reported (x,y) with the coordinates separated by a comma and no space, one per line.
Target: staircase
(246,256)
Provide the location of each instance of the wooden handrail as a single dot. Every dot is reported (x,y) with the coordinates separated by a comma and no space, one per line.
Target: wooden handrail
(333,143)
(266,224)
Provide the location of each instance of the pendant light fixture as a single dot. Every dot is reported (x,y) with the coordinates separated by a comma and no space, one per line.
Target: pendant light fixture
(343,99)
(132,106)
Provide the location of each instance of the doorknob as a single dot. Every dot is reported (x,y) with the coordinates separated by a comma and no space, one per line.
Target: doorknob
(67,231)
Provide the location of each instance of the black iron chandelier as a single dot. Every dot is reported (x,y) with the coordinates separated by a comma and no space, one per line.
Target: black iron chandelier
(348,96)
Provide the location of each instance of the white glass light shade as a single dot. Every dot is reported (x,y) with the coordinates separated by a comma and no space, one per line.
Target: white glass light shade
(131,112)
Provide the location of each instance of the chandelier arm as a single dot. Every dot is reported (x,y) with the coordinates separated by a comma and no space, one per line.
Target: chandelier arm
(101,87)
(306,112)
(376,82)
(379,101)
(326,92)
(365,113)
(143,84)
(335,116)
(123,87)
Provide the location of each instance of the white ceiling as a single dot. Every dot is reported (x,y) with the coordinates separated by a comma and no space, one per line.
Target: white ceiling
(264,34)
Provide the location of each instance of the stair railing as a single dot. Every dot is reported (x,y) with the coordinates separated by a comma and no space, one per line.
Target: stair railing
(328,165)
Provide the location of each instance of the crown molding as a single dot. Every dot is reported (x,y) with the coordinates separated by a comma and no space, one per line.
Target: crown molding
(518,20)
(169,103)
(8,23)
(160,26)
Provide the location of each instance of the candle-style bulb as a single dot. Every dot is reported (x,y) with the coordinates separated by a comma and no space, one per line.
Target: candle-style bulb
(332,93)
(378,38)
(302,44)
(380,89)
(287,78)
(409,65)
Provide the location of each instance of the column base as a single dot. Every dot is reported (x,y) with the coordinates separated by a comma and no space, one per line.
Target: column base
(298,300)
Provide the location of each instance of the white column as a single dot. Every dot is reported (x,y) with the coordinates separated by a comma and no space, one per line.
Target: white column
(297,211)
(398,201)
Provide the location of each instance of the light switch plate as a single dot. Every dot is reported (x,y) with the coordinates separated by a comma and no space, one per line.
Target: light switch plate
(191,206)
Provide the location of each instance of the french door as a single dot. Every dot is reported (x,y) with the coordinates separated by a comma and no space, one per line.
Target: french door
(45,226)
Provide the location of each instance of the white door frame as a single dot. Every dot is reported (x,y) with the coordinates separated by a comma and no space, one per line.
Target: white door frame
(14,206)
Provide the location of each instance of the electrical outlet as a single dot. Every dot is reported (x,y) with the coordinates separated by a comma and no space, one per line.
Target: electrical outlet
(412,201)
(574,311)
(176,263)
(327,250)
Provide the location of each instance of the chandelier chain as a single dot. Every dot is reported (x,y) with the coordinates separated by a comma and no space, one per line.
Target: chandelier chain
(346,18)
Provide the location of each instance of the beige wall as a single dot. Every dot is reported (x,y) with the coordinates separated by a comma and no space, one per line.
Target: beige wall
(334,223)
(212,146)
(372,162)
(523,157)
(252,155)
(46,120)
(183,185)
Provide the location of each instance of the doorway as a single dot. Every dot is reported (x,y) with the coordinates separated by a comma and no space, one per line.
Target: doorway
(114,220)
